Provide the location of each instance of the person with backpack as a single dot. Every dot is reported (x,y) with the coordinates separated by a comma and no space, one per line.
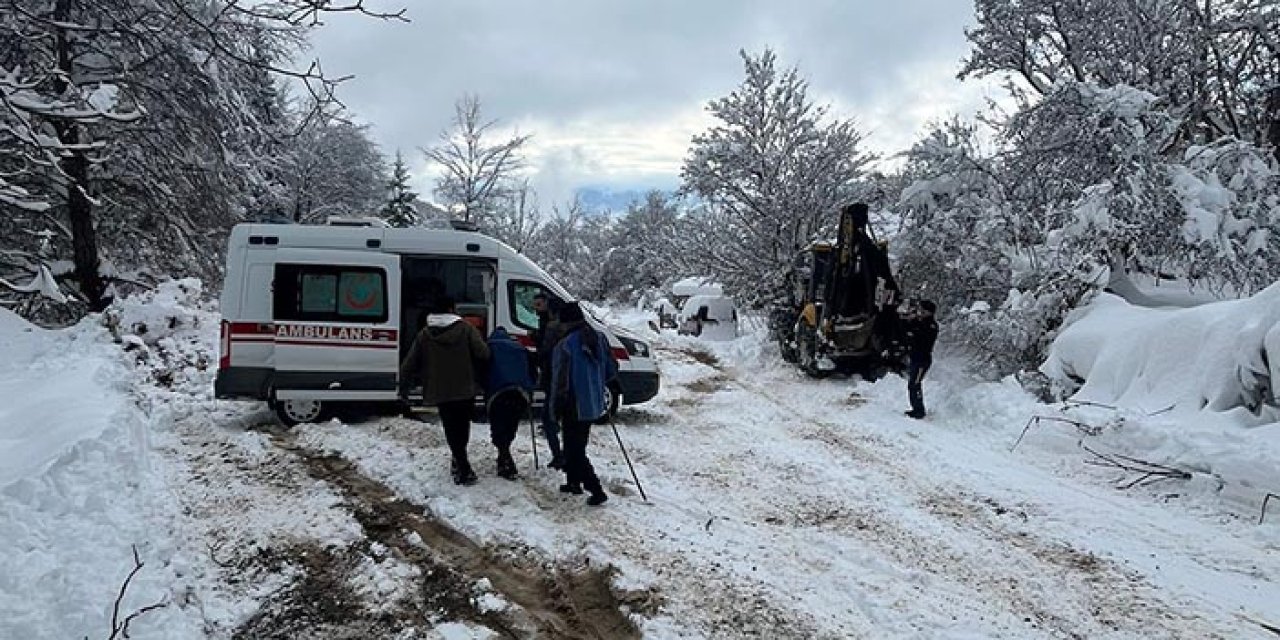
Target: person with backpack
(581,366)
(446,356)
(507,393)
(921,333)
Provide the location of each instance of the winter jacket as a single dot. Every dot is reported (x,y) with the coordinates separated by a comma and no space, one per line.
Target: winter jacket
(922,333)
(508,365)
(545,339)
(446,356)
(579,373)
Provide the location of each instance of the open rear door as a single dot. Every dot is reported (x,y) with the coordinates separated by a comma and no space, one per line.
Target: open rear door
(337,324)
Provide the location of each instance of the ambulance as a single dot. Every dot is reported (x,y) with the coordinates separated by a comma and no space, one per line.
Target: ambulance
(317,316)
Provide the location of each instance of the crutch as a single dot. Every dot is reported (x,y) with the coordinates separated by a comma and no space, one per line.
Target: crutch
(625,456)
(533,433)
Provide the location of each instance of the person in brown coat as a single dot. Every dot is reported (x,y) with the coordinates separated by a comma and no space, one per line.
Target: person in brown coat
(447,356)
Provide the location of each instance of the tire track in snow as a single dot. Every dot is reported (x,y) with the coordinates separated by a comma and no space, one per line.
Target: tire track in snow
(726,607)
(575,605)
(1111,598)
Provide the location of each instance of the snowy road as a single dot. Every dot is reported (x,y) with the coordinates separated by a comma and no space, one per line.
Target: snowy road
(779,507)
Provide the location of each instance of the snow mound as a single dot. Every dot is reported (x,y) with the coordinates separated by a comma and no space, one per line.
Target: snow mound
(1221,357)
(169,331)
(78,490)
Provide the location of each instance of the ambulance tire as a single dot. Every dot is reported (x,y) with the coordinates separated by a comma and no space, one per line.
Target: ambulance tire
(613,400)
(295,412)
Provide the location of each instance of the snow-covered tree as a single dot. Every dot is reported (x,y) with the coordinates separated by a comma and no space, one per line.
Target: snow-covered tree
(773,172)
(478,174)
(336,170)
(515,219)
(643,242)
(399,210)
(140,124)
(573,246)
(1079,196)
(1215,61)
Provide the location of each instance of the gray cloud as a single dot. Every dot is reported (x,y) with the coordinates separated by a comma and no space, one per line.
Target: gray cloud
(613,90)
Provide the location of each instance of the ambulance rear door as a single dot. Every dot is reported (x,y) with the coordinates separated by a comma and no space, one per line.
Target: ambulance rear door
(336,315)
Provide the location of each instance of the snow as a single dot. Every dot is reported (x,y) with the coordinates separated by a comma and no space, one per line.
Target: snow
(42,283)
(694,286)
(778,506)
(1211,358)
(75,491)
(819,510)
(721,315)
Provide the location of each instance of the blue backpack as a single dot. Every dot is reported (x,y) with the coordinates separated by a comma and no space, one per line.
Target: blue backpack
(585,372)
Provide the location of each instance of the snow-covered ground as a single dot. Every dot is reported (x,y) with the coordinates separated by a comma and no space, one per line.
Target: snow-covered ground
(778,507)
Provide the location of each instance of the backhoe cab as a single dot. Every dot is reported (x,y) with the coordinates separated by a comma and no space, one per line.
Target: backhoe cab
(842,313)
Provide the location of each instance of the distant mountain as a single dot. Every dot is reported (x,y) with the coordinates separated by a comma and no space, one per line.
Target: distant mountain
(605,199)
(429,211)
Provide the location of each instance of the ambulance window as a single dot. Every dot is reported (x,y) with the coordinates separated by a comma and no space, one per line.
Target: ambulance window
(360,293)
(521,295)
(329,293)
(319,293)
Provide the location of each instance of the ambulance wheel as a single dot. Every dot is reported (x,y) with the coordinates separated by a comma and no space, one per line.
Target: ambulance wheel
(612,400)
(295,412)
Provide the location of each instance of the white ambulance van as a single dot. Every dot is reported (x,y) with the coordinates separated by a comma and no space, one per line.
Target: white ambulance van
(314,316)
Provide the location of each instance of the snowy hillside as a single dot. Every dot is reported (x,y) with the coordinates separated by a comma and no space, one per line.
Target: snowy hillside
(777,507)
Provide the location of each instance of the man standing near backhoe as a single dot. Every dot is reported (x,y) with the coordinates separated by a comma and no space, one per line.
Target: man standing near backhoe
(921,333)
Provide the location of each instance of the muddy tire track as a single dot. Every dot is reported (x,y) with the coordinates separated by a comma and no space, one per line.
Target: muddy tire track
(727,607)
(551,602)
(320,602)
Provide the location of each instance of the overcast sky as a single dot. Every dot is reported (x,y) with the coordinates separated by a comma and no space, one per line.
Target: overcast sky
(613,89)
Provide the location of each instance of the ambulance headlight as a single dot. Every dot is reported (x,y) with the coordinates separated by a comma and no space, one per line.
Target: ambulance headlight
(634,347)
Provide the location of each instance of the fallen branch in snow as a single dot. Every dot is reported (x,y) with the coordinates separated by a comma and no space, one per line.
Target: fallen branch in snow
(1082,427)
(1262,516)
(1151,472)
(1068,403)
(121,629)
(1269,627)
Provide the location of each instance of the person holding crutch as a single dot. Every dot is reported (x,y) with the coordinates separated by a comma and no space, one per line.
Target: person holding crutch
(581,366)
(507,393)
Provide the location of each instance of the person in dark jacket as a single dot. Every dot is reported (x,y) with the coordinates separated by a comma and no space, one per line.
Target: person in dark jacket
(921,333)
(581,366)
(507,393)
(545,338)
(446,356)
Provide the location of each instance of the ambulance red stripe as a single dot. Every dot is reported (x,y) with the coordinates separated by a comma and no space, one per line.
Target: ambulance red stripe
(344,345)
(252,328)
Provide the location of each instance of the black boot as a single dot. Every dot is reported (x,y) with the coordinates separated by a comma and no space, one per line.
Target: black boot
(462,473)
(573,487)
(557,462)
(507,466)
(598,497)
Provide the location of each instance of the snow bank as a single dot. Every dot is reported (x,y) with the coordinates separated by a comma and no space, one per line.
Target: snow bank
(78,481)
(57,392)
(1191,387)
(1220,357)
(695,286)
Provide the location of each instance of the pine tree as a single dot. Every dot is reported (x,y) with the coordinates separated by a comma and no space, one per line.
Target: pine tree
(399,210)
